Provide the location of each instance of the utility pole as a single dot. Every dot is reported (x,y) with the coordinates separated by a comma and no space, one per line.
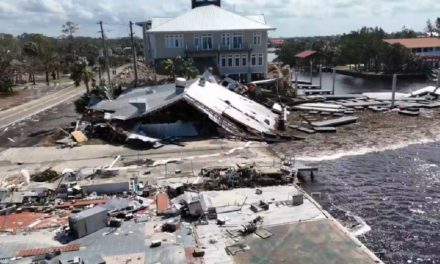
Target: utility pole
(334,81)
(133,49)
(438,77)
(393,96)
(320,76)
(105,52)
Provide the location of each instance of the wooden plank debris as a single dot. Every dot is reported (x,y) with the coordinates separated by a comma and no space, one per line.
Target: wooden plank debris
(336,122)
(306,130)
(325,129)
(79,136)
(409,113)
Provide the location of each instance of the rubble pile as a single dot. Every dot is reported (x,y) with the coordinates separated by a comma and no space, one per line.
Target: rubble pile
(225,178)
(146,77)
(47,175)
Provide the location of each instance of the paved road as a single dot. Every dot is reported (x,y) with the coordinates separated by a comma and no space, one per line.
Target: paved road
(26,110)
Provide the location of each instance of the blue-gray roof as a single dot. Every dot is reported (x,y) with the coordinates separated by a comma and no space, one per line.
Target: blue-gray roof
(140,101)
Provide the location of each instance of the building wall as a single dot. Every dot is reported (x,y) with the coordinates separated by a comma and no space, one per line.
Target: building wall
(160,51)
(84,226)
(434,51)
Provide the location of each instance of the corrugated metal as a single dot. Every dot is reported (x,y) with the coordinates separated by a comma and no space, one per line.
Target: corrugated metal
(210,18)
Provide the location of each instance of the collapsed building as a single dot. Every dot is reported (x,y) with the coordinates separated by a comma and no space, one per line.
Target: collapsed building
(188,109)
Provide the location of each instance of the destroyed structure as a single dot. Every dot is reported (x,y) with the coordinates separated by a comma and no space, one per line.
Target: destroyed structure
(226,213)
(189,109)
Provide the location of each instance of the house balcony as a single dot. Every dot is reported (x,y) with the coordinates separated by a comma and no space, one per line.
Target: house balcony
(218,48)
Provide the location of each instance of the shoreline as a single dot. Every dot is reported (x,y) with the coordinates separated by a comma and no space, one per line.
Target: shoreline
(373,132)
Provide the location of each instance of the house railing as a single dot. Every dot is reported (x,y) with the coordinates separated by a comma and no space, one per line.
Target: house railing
(219,47)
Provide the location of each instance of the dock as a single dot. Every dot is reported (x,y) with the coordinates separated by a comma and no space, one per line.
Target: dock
(314,92)
(336,122)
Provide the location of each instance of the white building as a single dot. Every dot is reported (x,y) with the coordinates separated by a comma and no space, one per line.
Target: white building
(233,44)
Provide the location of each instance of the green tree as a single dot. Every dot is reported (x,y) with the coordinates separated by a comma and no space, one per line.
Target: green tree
(5,71)
(168,68)
(398,59)
(80,72)
(404,33)
(288,50)
(41,53)
(90,52)
(69,29)
(437,26)
(69,43)
(430,28)
(185,68)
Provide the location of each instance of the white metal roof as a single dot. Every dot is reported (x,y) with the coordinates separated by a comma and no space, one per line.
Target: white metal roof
(157,21)
(241,109)
(211,18)
(258,18)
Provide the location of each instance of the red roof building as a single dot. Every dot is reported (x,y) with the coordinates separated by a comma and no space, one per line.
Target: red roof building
(305,54)
(426,48)
(277,41)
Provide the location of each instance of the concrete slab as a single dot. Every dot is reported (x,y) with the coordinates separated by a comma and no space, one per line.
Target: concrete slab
(314,242)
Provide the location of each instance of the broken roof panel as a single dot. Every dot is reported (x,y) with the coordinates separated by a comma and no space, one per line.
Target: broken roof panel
(217,100)
(141,101)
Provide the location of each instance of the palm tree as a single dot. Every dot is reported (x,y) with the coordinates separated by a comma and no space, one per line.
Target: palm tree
(80,72)
(168,67)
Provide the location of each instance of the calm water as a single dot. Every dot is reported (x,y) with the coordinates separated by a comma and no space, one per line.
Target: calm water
(348,84)
(396,192)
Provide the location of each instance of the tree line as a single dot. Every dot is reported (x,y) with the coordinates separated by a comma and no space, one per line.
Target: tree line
(365,49)
(31,54)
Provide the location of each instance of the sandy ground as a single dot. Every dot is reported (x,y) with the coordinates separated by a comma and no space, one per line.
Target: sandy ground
(373,131)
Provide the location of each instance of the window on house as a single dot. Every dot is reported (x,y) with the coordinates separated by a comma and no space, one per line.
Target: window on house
(206,41)
(257,39)
(253,60)
(418,50)
(223,61)
(237,60)
(230,61)
(237,40)
(174,41)
(244,60)
(260,59)
(196,41)
(226,40)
